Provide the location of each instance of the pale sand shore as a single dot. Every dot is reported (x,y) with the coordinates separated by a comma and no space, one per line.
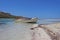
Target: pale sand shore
(46,32)
(22,31)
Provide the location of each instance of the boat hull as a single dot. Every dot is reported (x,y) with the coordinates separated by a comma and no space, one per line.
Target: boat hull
(27,21)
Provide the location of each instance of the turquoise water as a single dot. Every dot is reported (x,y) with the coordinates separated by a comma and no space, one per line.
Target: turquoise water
(48,21)
(10,30)
(41,21)
(5,20)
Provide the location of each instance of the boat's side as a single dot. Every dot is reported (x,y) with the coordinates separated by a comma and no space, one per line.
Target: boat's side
(28,21)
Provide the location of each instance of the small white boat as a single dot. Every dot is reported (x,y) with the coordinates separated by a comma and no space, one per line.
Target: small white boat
(32,20)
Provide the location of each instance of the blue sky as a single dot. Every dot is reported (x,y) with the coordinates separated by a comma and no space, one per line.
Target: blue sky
(32,8)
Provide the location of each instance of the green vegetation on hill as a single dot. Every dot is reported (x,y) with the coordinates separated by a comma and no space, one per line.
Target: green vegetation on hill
(8,15)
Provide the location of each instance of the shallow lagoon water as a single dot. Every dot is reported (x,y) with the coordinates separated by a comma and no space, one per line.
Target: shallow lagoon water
(11,30)
(15,31)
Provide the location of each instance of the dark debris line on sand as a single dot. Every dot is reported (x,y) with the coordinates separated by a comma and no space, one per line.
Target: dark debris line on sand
(52,34)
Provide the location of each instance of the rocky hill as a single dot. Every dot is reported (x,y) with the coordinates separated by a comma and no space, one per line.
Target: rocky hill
(8,15)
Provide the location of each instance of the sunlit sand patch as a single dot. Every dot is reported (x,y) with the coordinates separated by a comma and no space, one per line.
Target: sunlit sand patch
(47,32)
(39,33)
(22,31)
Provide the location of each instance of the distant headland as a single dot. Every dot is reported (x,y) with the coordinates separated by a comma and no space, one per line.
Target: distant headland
(8,15)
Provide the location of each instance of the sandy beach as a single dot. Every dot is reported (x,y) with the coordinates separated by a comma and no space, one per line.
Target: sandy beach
(28,31)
